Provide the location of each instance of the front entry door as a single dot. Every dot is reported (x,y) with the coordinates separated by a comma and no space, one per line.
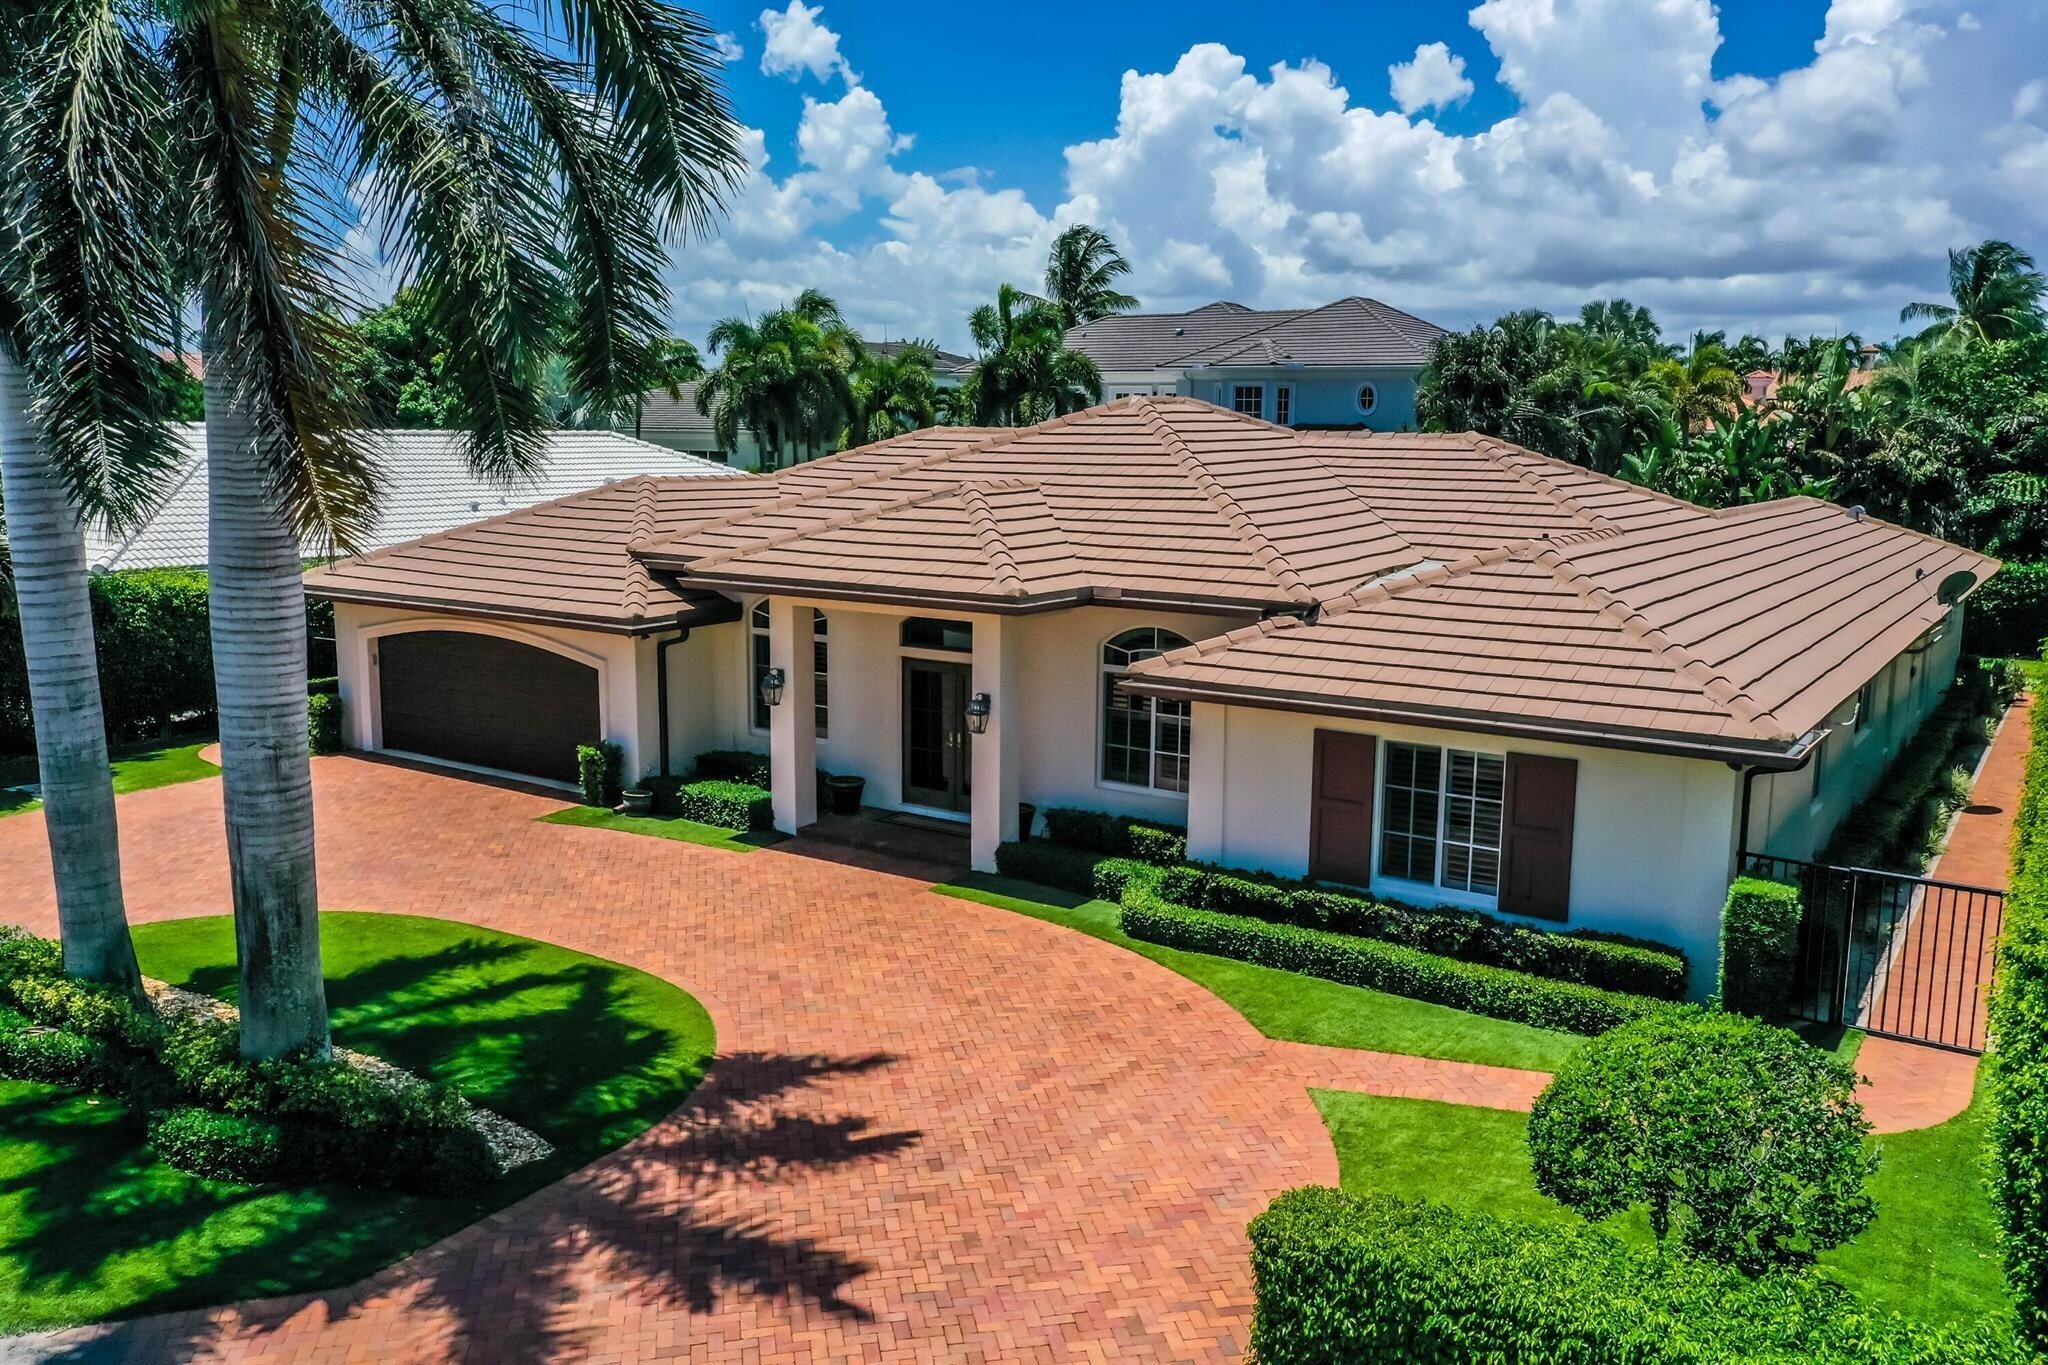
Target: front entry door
(935,763)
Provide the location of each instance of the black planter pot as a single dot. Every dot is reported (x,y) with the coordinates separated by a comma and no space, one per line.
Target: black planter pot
(845,793)
(1027,814)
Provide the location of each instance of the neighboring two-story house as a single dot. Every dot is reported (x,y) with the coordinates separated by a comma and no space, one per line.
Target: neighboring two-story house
(1346,366)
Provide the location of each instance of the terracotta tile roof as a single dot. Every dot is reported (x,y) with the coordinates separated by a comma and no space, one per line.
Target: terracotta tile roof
(1733,631)
(1451,578)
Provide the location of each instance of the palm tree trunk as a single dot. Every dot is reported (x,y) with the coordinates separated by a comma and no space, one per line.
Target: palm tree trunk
(258,610)
(47,542)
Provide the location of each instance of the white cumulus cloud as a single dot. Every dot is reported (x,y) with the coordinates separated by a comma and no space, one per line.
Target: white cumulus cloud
(1433,79)
(796,42)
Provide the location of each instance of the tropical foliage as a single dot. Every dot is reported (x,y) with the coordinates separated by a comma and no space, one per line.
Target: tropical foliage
(787,379)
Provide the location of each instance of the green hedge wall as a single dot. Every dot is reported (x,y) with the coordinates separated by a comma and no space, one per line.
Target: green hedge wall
(1119,836)
(2017,1063)
(1342,1279)
(151,631)
(728,805)
(2007,617)
(1759,946)
(1493,991)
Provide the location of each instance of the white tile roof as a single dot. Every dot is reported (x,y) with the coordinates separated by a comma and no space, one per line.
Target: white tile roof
(428,488)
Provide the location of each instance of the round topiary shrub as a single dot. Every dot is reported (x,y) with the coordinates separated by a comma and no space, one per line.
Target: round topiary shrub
(1743,1140)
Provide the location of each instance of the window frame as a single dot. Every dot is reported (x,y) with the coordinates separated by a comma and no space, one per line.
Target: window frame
(1237,395)
(1283,405)
(1358,396)
(757,664)
(1440,839)
(1179,716)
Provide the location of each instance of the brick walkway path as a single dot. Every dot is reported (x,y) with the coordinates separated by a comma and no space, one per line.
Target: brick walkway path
(935,1131)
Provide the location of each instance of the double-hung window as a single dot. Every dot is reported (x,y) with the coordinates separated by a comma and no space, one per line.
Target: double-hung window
(757,645)
(1144,740)
(1440,817)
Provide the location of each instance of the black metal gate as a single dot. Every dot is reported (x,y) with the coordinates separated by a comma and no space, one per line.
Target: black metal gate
(1892,954)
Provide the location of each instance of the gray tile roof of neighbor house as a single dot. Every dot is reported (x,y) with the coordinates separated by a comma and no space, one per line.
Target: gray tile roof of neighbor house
(427,488)
(1352,331)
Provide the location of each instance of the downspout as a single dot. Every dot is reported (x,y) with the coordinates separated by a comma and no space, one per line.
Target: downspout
(661,692)
(1750,773)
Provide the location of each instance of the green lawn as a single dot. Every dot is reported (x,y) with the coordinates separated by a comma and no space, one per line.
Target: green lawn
(137,767)
(665,827)
(1296,1008)
(585,1052)
(1932,1253)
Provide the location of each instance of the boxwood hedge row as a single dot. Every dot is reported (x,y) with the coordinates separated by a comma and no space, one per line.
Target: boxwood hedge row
(2018,1060)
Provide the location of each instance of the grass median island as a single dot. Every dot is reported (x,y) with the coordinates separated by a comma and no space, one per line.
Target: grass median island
(137,767)
(584,1052)
(666,827)
(1292,1007)
(1931,1254)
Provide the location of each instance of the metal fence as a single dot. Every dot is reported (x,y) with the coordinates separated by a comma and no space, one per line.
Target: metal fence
(1892,954)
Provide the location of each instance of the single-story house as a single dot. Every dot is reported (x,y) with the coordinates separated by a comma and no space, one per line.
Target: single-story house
(428,487)
(1352,364)
(1438,666)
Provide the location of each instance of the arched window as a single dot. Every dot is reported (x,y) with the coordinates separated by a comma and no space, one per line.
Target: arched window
(757,630)
(1144,740)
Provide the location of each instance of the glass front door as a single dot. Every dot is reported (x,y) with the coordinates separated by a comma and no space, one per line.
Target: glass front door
(935,753)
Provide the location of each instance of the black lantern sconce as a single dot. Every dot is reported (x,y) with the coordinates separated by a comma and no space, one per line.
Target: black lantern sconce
(978,707)
(771,687)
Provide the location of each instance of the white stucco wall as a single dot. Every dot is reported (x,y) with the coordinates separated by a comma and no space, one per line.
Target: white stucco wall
(1652,846)
(1793,814)
(621,663)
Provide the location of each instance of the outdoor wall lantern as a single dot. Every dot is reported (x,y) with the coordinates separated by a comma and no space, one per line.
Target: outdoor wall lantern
(771,687)
(978,707)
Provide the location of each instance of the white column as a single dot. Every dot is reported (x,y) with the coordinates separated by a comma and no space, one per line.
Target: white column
(355,665)
(793,726)
(995,759)
(1208,747)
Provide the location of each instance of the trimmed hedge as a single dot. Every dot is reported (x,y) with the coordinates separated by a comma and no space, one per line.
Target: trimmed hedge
(1609,962)
(1119,836)
(1759,946)
(323,722)
(1343,1278)
(219,1115)
(600,772)
(728,805)
(732,765)
(2017,1063)
(2008,614)
(1493,991)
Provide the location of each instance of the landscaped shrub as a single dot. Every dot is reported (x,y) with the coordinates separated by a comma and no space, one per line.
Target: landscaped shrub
(1481,989)
(2008,615)
(2017,1064)
(728,805)
(323,687)
(1116,835)
(733,765)
(1759,946)
(600,772)
(1069,869)
(1607,961)
(323,722)
(219,1146)
(1745,1142)
(1343,1279)
(1900,824)
(30,1051)
(1111,877)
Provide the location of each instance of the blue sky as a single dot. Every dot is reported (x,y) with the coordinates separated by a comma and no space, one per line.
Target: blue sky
(1785,166)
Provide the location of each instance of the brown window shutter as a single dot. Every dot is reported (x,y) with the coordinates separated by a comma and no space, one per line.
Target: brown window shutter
(1536,845)
(1340,813)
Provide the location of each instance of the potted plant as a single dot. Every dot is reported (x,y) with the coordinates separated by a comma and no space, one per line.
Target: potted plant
(635,801)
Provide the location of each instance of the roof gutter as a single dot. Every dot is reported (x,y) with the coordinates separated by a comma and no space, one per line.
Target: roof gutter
(1762,757)
(704,615)
(1030,604)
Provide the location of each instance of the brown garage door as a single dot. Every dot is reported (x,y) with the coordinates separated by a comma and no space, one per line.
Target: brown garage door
(479,699)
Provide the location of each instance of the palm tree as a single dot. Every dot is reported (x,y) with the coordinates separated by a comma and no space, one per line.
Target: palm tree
(527,174)
(1997,295)
(1026,373)
(1630,324)
(1080,275)
(1703,388)
(788,379)
(79,400)
(895,393)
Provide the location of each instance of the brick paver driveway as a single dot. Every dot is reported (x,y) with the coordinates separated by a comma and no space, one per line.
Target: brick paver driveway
(935,1131)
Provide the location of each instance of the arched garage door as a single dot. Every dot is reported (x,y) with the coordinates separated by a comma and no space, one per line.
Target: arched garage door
(484,700)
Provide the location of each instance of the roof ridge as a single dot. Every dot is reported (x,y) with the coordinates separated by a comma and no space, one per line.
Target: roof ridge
(1263,550)
(930,461)
(850,517)
(639,582)
(1712,682)
(1498,450)
(989,535)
